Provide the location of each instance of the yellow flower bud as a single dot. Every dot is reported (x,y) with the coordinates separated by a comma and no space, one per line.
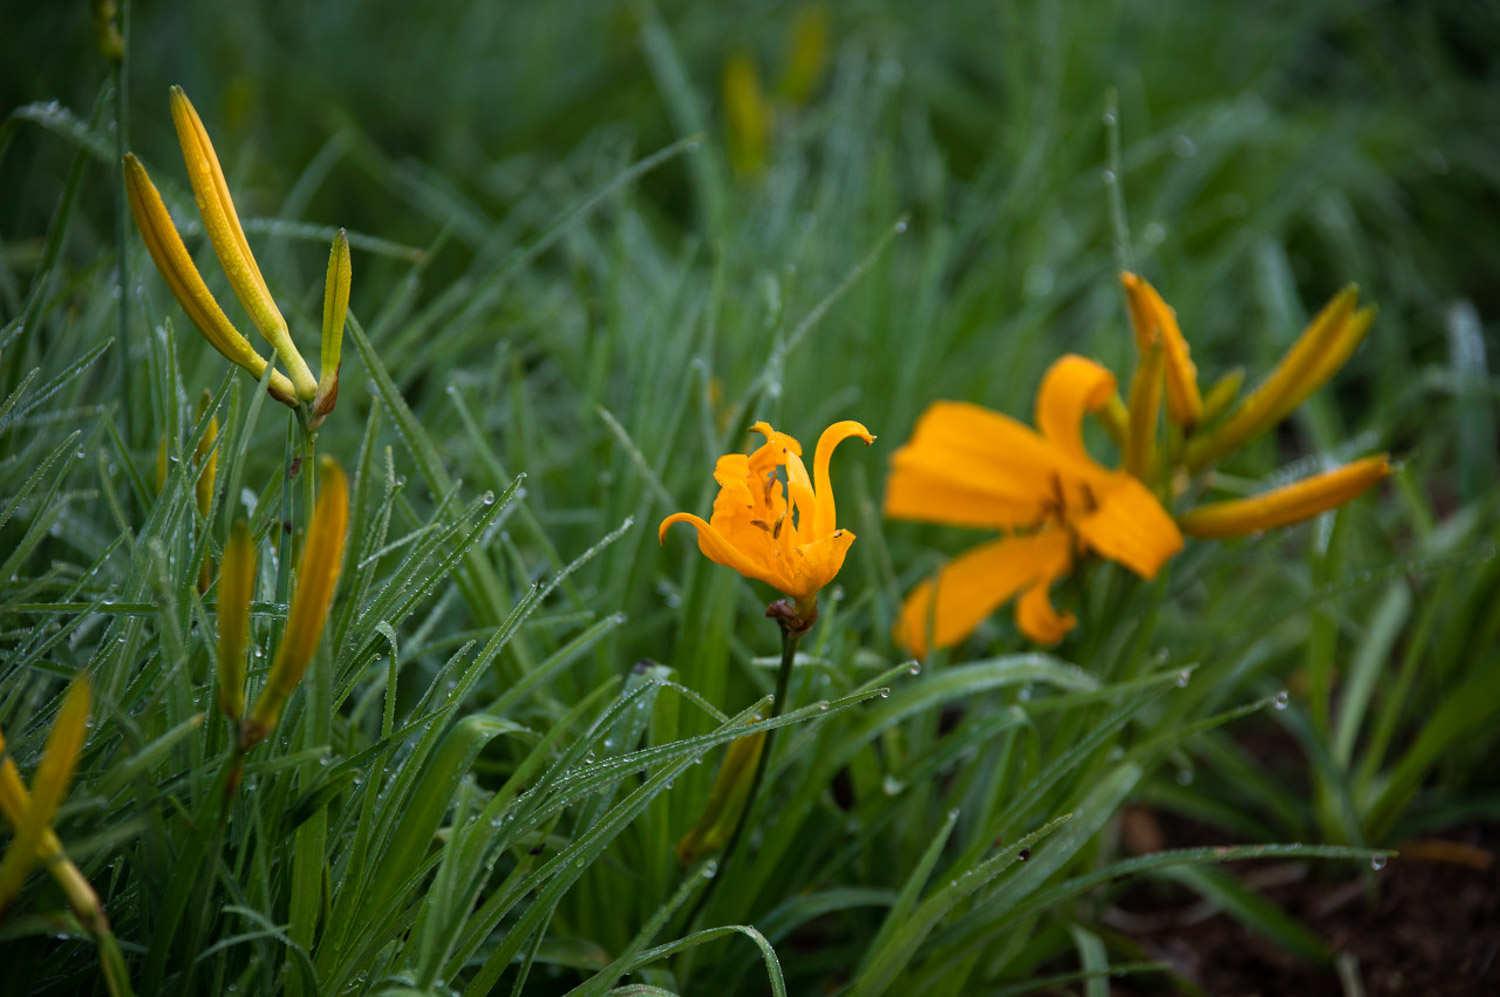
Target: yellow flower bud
(317,576)
(222,223)
(31,814)
(335,310)
(186,283)
(1284,506)
(726,800)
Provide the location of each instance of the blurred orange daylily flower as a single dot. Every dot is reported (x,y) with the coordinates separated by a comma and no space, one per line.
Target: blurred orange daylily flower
(968,466)
(780,533)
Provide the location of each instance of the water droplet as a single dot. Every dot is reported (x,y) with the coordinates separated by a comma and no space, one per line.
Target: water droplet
(901,225)
(1024,854)
(885,693)
(1025,694)
(1377,862)
(1281,700)
(1110,117)
(1183,677)
(1109,177)
(488,498)
(891,786)
(710,869)
(914,668)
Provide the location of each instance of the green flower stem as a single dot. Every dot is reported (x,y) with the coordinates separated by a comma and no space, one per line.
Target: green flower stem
(790,637)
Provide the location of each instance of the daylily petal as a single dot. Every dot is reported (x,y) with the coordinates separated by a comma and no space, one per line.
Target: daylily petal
(1155,321)
(972,586)
(717,548)
(824,511)
(1035,615)
(799,487)
(968,466)
(1287,505)
(820,561)
(1130,526)
(1072,387)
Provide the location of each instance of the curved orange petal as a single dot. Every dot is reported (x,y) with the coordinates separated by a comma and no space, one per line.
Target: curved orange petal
(718,549)
(825,511)
(1072,387)
(968,466)
(799,488)
(1035,616)
(769,454)
(973,585)
(1129,526)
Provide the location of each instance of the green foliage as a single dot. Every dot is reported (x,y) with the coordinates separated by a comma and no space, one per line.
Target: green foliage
(564,309)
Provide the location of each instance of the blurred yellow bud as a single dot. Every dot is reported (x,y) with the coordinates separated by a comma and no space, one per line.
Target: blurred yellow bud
(31,814)
(1284,506)
(807,55)
(206,456)
(748,114)
(1223,393)
(726,800)
(1154,321)
(317,576)
(1324,346)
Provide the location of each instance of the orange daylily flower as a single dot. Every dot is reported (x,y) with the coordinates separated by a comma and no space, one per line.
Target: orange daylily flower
(968,466)
(780,533)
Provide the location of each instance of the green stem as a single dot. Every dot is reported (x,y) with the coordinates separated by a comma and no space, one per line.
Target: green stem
(789,640)
(122,221)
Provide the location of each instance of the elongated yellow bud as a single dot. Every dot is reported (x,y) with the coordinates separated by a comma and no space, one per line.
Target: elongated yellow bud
(15,804)
(726,800)
(1223,393)
(317,576)
(33,822)
(807,55)
(1155,321)
(1321,350)
(206,455)
(1145,403)
(222,223)
(185,282)
(1284,506)
(748,114)
(236,586)
(335,310)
